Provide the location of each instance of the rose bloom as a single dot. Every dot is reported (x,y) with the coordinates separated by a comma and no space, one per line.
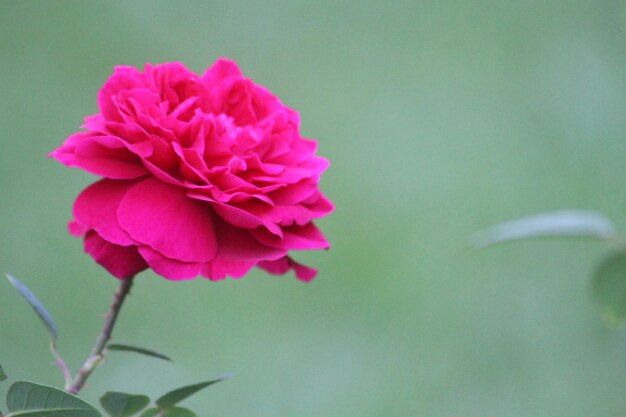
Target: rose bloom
(203,175)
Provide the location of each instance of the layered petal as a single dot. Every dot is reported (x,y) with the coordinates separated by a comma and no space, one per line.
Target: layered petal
(307,237)
(161,216)
(204,175)
(238,252)
(96,208)
(170,268)
(101,155)
(286,264)
(121,261)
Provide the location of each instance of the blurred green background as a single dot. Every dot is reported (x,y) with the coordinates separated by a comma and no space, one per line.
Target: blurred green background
(440,118)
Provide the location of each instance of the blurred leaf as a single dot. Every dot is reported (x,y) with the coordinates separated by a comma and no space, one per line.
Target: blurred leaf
(609,288)
(36,305)
(57,412)
(29,399)
(170,412)
(151,412)
(127,348)
(3,376)
(179,412)
(173,397)
(119,404)
(563,223)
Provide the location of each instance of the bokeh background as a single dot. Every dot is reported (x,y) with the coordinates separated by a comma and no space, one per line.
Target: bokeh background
(440,118)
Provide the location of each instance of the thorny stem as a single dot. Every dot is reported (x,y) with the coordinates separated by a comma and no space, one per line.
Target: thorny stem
(97,352)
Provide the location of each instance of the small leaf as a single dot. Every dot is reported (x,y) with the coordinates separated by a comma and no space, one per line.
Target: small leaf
(179,412)
(3,376)
(564,223)
(151,412)
(36,305)
(56,412)
(170,412)
(29,399)
(609,288)
(174,397)
(127,348)
(119,404)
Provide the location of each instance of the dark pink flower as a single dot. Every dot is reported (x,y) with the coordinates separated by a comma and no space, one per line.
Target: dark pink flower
(203,175)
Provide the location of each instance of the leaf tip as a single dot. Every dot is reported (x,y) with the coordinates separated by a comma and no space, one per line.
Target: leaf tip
(36,304)
(227,375)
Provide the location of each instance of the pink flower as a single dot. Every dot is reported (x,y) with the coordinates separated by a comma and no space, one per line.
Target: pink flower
(203,175)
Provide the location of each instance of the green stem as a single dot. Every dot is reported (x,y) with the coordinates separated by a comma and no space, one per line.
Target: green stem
(97,352)
(67,375)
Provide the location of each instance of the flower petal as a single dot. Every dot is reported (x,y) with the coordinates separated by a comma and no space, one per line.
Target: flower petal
(295,237)
(96,208)
(238,252)
(204,175)
(236,243)
(214,270)
(170,268)
(221,268)
(77,229)
(222,69)
(123,78)
(95,155)
(284,265)
(121,261)
(163,217)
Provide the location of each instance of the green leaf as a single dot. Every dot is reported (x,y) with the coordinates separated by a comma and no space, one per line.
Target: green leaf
(30,400)
(119,404)
(151,412)
(179,412)
(170,412)
(36,305)
(564,223)
(609,288)
(127,348)
(3,376)
(57,412)
(174,397)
